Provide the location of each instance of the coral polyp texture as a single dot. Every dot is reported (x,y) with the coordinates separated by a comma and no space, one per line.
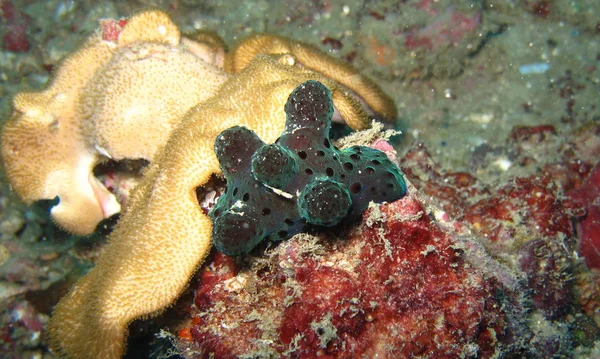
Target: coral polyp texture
(119,96)
(276,190)
(375,101)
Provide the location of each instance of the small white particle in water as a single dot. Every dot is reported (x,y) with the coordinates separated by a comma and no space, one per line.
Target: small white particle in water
(481,117)
(35,336)
(280,192)
(503,163)
(162,30)
(238,204)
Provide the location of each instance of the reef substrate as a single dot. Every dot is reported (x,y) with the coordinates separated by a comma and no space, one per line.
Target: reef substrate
(456,268)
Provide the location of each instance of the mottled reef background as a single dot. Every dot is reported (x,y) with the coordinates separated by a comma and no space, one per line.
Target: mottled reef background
(464,74)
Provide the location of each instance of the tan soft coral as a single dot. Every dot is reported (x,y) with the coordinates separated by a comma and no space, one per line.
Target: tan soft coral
(126,115)
(122,96)
(164,236)
(377,102)
(43,149)
(118,97)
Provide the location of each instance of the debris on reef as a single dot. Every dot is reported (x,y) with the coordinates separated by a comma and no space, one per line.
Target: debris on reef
(37,264)
(276,190)
(25,335)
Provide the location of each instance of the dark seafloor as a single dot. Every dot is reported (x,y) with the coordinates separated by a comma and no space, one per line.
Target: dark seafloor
(487,92)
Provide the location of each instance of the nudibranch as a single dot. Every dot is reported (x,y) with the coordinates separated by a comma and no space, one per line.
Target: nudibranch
(301,181)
